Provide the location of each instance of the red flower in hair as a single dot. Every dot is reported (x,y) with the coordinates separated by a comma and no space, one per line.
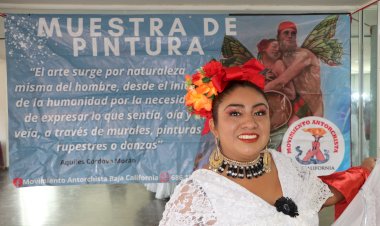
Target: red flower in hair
(197,79)
(211,79)
(212,68)
(251,71)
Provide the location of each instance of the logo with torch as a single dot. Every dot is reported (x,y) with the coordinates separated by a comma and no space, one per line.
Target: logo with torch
(314,155)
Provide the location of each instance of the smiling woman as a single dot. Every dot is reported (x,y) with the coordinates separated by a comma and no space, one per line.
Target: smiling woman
(244,182)
(239,120)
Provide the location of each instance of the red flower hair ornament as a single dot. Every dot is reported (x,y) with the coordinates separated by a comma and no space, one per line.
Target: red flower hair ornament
(211,79)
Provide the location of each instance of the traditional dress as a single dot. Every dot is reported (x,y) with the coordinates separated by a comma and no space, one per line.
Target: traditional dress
(207,198)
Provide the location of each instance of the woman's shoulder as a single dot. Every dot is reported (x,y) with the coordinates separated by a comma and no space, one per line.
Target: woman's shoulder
(276,155)
(279,156)
(290,166)
(204,181)
(195,180)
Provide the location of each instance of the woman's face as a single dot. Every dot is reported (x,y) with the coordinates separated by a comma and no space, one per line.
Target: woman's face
(273,50)
(243,124)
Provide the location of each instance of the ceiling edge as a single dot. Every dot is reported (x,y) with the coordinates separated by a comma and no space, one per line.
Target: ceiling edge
(233,8)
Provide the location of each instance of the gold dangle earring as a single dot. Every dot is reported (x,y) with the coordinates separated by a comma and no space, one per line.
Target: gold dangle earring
(267,159)
(216,158)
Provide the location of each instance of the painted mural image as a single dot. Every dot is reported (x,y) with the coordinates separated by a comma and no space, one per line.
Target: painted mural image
(293,81)
(294,72)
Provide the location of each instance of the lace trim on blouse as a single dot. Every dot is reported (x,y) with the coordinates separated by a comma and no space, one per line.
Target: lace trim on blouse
(317,191)
(190,206)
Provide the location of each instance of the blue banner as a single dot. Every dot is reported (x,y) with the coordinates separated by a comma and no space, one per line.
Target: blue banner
(99,98)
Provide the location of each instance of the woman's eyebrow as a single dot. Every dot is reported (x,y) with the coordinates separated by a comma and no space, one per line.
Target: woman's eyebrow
(242,105)
(234,105)
(260,104)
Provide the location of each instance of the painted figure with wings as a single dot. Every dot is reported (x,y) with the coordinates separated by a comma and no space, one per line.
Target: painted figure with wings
(296,66)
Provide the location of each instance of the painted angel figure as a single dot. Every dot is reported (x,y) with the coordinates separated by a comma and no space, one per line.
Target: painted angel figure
(293,66)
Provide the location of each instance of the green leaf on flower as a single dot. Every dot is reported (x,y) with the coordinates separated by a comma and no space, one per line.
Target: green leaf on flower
(206,80)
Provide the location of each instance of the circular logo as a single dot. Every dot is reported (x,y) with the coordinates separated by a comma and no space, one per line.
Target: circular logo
(316,143)
(17,182)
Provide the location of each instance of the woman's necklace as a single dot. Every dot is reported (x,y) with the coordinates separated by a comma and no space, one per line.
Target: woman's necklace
(262,164)
(218,163)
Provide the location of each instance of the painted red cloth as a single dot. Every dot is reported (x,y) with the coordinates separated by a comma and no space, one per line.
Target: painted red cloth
(348,183)
(286,25)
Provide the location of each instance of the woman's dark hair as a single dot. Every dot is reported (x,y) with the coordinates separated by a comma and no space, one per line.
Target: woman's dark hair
(232,85)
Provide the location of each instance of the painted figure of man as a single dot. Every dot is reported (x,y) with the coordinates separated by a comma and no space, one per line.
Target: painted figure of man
(303,69)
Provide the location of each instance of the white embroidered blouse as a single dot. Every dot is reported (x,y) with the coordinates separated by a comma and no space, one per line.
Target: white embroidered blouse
(207,198)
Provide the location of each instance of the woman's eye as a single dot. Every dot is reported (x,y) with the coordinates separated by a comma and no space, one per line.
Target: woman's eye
(235,113)
(260,113)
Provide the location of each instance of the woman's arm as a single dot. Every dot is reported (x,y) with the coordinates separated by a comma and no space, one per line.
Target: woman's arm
(285,75)
(336,198)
